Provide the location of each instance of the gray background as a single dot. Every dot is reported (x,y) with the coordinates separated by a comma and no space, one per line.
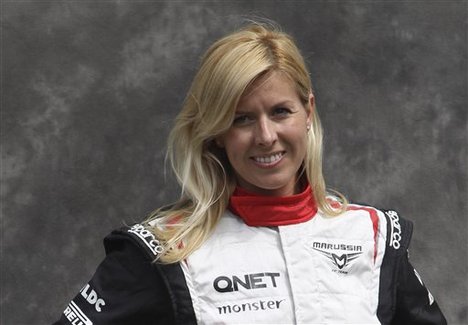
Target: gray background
(89,90)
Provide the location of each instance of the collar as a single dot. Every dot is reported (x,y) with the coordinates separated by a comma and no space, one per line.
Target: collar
(259,210)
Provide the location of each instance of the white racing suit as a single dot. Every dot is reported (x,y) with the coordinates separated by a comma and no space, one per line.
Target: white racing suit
(350,269)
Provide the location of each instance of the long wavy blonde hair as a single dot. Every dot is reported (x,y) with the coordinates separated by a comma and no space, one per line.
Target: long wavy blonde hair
(227,69)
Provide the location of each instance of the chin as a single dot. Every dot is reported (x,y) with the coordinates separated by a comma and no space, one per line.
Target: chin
(282,189)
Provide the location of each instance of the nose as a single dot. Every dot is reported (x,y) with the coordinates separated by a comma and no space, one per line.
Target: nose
(265,133)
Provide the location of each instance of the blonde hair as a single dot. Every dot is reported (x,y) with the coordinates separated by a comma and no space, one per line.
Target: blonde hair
(227,69)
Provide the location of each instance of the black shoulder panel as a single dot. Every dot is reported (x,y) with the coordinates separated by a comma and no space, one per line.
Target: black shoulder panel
(403,297)
(138,235)
(125,289)
(130,288)
(172,274)
(399,233)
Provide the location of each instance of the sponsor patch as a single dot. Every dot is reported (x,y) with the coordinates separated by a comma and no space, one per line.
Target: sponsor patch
(92,298)
(75,315)
(147,238)
(247,281)
(334,253)
(395,231)
(252,306)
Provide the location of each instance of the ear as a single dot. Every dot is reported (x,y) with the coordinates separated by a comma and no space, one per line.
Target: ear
(310,108)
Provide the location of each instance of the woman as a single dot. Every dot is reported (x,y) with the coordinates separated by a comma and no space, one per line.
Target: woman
(255,237)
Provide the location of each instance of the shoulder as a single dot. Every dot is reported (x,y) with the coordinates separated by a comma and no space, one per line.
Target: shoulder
(137,235)
(167,281)
(395,229)
(127,286)
(399,231)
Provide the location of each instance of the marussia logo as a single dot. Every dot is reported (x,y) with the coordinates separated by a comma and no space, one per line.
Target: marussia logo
(339,260)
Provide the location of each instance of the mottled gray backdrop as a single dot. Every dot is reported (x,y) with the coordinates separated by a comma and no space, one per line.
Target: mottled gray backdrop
(90,89)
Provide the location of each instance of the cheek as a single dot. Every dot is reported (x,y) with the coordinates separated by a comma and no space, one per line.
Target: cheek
(299,141)
(236,144)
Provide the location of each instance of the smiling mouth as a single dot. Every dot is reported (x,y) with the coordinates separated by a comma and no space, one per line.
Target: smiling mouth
(269,160)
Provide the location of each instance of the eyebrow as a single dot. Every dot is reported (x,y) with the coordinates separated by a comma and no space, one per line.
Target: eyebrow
(279,104)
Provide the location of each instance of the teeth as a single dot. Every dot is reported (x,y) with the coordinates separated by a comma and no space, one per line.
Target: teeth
(270,159)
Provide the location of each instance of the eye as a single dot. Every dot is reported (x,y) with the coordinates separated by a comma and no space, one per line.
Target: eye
(241,120)
(281,111)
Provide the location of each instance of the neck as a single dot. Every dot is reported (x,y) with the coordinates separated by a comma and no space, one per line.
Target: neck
(261,210)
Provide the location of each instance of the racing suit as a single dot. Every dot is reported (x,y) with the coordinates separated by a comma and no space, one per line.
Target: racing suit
(269,260)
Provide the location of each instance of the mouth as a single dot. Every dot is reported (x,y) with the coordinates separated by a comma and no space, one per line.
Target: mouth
(269,160)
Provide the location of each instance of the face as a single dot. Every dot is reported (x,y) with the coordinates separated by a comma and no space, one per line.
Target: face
(266,143)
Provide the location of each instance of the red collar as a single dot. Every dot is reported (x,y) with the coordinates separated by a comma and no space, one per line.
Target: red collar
(258,210)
